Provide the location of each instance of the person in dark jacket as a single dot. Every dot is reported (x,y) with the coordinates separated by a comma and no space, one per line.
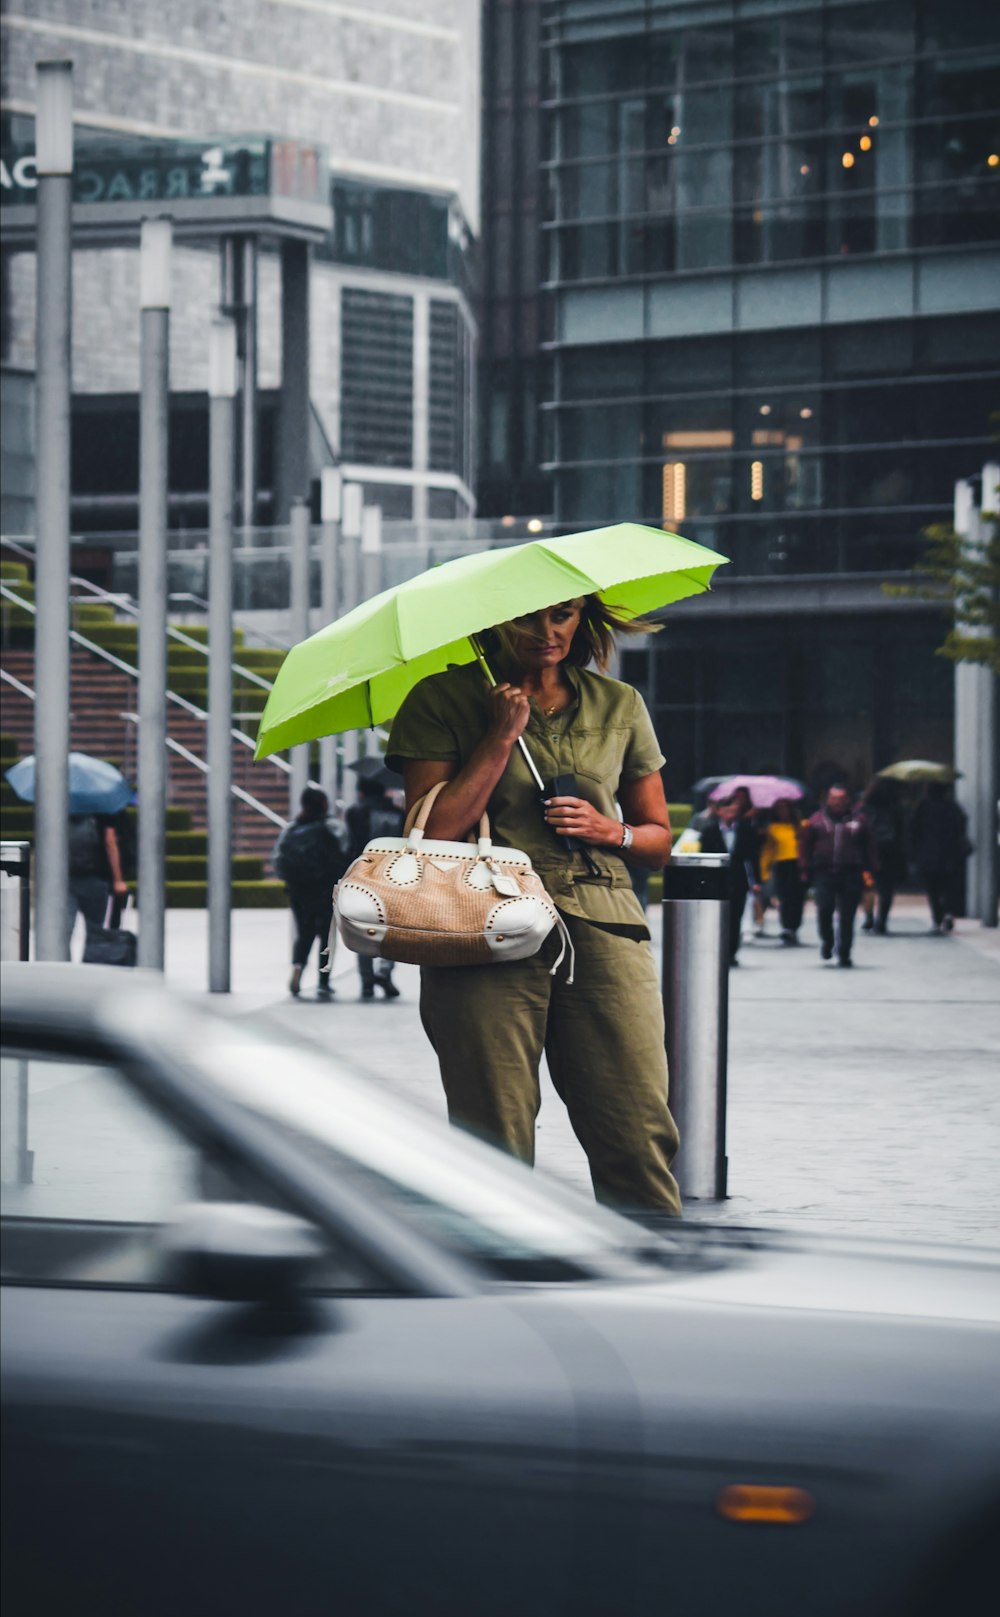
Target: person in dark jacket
(373,815)
(732,832)
(940,847)
(840,859)
(880,806)
(310,861)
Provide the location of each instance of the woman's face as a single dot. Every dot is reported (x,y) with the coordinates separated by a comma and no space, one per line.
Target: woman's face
(549,634)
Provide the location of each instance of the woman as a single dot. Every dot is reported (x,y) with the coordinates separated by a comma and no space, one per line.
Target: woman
(602,1034)
(880,806)
(779,861)
(310,861)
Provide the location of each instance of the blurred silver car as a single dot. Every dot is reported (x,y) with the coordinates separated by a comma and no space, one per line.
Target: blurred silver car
(272,1343)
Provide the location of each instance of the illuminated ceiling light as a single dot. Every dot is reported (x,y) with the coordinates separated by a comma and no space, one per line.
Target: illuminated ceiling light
(806,414)
(535,525)
(675,131)
(507,522)
(848,159)
(674,492)
(765,409)
(993,161)
(865,143)
(671,140)
(804,169)
(756,479)
(873,122)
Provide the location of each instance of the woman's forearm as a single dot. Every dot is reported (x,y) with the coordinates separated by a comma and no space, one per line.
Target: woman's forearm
(460,807)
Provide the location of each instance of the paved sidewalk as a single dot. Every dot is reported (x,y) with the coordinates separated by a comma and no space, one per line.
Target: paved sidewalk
(864,1101)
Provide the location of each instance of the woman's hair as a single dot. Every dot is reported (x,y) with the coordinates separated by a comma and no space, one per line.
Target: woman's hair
(794,812)
(593,642)
(313,805)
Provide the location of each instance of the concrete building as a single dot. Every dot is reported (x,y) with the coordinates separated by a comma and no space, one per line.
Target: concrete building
(391,96)
(774,263)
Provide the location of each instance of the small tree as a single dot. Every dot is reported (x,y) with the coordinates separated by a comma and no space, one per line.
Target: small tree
(963,576)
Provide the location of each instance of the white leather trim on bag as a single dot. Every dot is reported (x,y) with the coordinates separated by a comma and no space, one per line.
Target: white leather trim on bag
(448,850)
(360,919)
(516,928)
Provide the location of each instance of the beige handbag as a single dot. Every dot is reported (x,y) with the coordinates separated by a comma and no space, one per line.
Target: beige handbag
(445,903)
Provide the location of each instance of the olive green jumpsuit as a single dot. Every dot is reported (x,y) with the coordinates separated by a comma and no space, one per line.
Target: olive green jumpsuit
(602,1035)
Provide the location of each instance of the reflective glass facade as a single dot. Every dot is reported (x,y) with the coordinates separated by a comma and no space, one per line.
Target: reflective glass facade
(774,260)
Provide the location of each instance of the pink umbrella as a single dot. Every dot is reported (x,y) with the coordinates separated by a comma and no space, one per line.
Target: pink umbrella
(765,790)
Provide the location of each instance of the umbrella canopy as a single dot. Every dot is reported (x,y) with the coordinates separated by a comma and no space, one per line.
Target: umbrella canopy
(765,790)
(914,770)
(95,787)
(357,671)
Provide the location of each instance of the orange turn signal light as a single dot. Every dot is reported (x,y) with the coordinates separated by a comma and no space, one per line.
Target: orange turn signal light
(749,1502)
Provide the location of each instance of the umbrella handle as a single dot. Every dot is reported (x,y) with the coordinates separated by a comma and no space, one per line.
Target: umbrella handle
(487,670)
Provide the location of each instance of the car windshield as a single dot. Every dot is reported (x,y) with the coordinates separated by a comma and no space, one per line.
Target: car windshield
(454,1190)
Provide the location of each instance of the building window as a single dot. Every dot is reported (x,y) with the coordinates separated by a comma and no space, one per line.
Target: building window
(376,378)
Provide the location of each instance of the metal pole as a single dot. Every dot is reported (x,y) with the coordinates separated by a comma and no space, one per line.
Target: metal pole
(222,390)
(350,583)
(371,551)
(299,535)
(155,253)
(696,1008)
(329,512)
(53,268)
(248,401)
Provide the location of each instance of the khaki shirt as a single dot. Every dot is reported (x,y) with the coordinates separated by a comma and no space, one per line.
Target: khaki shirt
(604,738)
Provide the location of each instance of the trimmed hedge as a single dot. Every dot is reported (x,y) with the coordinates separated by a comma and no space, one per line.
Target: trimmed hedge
(246,895)
(244,867)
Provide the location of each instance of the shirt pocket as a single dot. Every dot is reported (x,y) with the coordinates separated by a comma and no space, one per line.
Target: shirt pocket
(598,755)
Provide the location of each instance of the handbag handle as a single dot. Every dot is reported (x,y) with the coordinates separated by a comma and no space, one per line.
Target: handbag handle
(420,813)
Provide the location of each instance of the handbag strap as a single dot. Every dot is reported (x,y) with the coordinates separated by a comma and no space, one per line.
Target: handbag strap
(420,813)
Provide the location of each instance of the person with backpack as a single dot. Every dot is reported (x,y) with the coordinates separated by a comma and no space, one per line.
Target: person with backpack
(373,815)
(881,809)
(95,871)
(310,861)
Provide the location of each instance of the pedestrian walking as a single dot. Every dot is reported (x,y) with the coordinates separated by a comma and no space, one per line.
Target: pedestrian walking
(310,861)
(601,1028)
(95,871)
(941,846)
(780,864)
(733,832)
(840,859)
(373,815)
(881,808)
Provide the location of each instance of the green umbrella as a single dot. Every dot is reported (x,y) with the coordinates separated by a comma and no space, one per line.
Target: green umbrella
(357,671)
(913,770)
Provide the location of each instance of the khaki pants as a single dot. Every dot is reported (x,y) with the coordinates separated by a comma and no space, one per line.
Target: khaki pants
(603,1038)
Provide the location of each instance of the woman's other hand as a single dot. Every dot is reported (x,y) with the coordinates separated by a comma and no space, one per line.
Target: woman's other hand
(510,711)
(575,817)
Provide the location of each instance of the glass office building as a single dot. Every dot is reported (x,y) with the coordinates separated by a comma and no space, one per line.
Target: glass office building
(774,258)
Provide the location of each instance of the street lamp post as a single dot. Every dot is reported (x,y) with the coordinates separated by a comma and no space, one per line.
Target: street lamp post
(330,490)
(222,387)
(351,519)
(154,299)
(53,268)
(299,534)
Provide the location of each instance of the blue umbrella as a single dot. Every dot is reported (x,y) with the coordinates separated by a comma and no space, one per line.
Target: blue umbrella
(95,787)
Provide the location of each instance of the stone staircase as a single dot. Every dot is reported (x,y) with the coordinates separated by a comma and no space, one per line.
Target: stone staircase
(102,698)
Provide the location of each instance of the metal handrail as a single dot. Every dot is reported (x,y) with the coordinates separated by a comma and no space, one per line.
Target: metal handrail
(199,763)
(240,622)
(181,701)
(123,603)
(11,679)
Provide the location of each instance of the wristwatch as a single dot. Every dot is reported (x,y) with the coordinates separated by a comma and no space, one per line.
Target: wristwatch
(628,837)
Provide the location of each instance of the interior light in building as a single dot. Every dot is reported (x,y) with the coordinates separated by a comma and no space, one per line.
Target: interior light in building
(765,409)
(848,159)
(674,492)
(506,522)
(714,438)
(865,143)
(806,414)
(756,479)
(804,169)
(761,438)
(873,122)
(535,525)
(671,140)
(675,131)
(993,161)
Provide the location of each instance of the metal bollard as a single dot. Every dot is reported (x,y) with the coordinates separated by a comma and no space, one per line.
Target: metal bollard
(696,1006)
(15,900)
(15,939)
